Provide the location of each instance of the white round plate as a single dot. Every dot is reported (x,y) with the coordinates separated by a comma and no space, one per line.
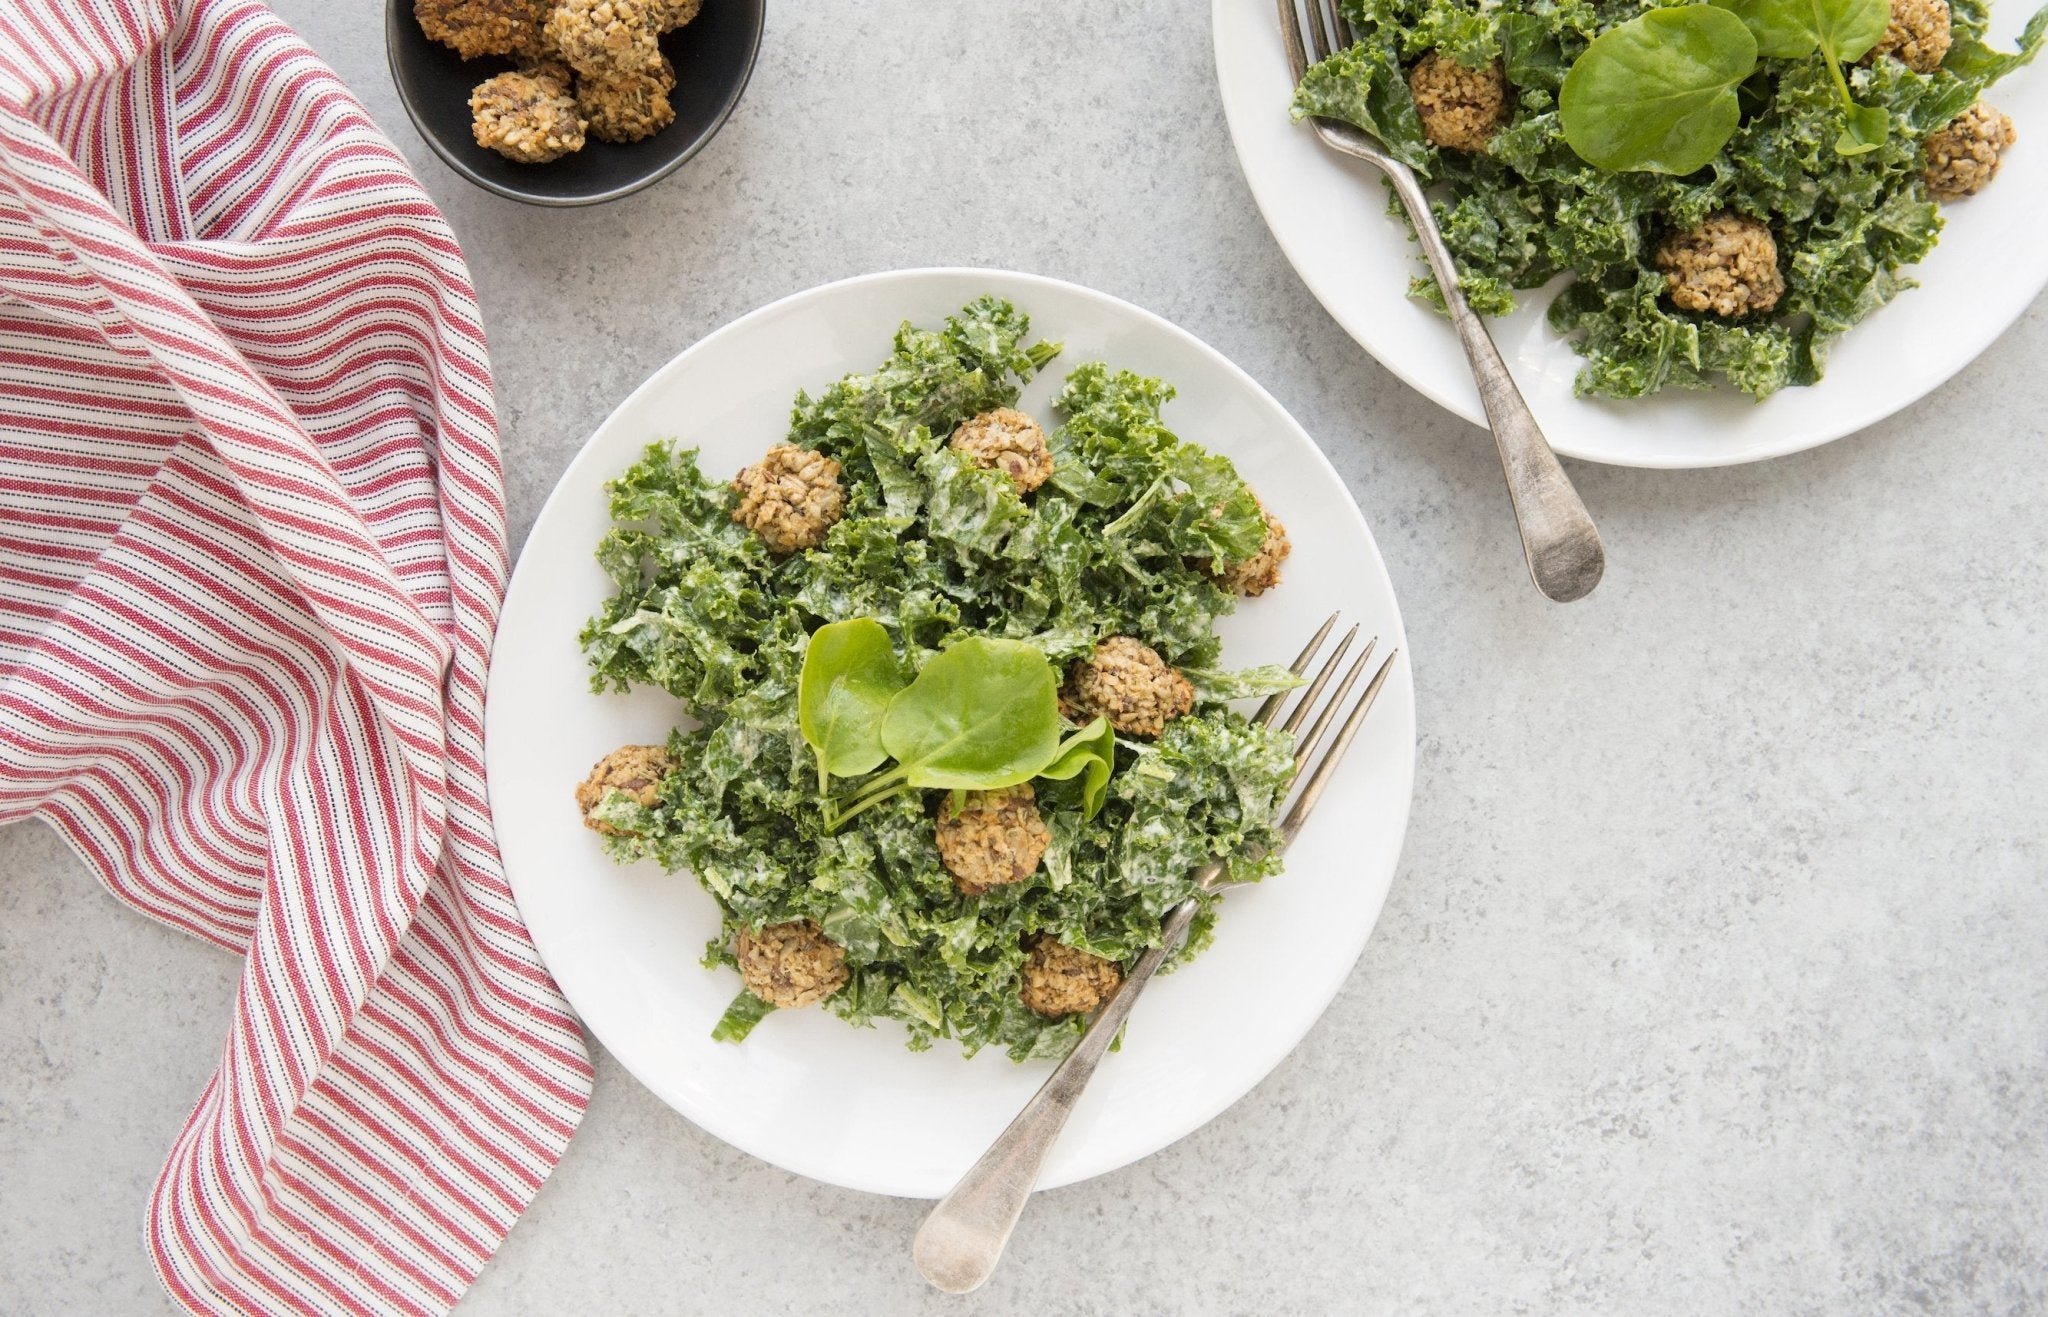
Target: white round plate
(854,1107)
(1329,215)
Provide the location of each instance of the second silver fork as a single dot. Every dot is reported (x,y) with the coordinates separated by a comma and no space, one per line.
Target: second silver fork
(1559,540)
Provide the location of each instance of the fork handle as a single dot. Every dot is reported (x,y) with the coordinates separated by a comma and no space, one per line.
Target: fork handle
(1558,536)
(959,1244)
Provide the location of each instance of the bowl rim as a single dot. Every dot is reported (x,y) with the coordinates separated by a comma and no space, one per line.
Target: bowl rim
(398,11)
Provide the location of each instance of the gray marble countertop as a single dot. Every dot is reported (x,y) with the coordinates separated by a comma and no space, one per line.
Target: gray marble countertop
(1715,976)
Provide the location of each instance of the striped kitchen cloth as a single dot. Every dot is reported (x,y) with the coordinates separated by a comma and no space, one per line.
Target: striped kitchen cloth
(252,549)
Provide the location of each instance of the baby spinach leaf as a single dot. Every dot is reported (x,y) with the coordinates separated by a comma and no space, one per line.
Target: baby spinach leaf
(1794,29)
(1657,93)
(981,714)
(1783,28)
(1089,754)
(850,674)
(1866,129)
(1849,28)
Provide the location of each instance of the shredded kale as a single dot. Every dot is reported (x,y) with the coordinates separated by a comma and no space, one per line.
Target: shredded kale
(1528,209)
(936,549)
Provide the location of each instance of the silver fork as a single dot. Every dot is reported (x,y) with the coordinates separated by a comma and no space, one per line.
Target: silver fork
(960,1243)
(1558,535)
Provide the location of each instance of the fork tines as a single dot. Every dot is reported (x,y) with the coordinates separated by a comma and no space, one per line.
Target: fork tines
(1324,32)
(1307,743)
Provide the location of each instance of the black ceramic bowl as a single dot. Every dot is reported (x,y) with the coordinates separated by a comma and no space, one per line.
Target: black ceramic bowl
(713,56)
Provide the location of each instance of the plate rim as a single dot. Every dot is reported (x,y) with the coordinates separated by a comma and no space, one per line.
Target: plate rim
(1846,419)
(1282,1043)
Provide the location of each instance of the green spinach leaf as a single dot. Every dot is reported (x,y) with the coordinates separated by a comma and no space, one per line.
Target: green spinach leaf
(850,674)
(1794,29)
(981,714)
(1089,754)
(1865,130)
(1657,93)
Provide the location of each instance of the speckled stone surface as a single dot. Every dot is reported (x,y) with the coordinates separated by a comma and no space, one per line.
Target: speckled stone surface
(1715,977)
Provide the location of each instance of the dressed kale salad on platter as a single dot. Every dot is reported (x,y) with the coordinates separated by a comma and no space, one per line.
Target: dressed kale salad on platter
(1725,186)
(961,727)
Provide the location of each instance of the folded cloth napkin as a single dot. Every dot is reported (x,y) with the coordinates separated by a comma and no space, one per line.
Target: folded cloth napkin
(252,549)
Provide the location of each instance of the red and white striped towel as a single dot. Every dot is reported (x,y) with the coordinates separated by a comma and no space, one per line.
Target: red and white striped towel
(252,549)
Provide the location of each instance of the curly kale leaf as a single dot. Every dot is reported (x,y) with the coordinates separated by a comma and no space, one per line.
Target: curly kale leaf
(1366,86)
(693,603)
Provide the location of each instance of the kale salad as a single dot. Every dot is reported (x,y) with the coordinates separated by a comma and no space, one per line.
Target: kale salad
(961,726)
(1725,187)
